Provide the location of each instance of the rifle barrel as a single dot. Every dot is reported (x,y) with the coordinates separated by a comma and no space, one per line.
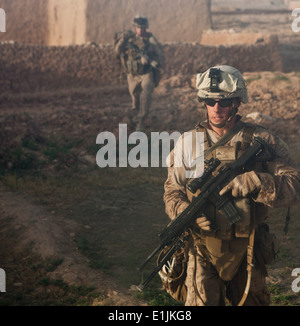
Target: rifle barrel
(154,252)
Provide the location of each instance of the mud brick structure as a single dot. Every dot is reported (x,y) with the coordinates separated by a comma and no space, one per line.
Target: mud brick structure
(54,44)
(57,22)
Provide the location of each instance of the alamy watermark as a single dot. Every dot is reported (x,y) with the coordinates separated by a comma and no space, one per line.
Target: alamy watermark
(2,280)
(188,150)
(296,21)
(296,282)
(2,21)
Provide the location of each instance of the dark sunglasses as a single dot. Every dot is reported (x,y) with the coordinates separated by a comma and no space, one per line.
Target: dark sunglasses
(223,103)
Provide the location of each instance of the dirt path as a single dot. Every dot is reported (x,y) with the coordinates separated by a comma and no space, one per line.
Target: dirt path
(49,235)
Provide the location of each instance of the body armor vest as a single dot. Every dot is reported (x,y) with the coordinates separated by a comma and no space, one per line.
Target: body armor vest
(226,246)
(245,206)
(135,49)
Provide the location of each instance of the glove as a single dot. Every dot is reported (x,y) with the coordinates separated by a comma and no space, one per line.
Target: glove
(203,223)
(154,64)
(144,60)
(243,185)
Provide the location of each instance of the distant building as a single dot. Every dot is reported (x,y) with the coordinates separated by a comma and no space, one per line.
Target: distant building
(294,4)
(65,22)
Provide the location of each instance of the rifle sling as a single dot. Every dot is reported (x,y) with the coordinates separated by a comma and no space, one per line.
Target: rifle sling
(226,137)
(249,265)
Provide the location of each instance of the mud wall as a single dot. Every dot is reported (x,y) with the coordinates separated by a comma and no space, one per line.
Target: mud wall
(29,68)
(190,58)
(232,38)
(26,21)
(170,20)
(294,4)
(66,22)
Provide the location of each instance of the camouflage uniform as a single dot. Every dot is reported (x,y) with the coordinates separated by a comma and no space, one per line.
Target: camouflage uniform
(142,58)
(217,259)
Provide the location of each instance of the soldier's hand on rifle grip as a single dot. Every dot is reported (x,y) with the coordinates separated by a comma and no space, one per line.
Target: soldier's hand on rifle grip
(243,185)
(203,223)
(144,60)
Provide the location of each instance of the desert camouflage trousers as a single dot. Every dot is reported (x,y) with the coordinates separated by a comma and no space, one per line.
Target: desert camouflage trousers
(206,288)
(141,88)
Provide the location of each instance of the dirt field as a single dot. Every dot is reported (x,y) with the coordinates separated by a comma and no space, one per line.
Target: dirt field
(72,233)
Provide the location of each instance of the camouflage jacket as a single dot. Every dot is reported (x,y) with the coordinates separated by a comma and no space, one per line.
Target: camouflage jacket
(280,179)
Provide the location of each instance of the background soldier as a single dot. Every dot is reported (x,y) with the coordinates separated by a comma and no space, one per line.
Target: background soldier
(142,58)
(219,264)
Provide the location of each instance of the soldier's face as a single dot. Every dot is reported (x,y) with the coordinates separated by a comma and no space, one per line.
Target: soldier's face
(140,31)
(218,114)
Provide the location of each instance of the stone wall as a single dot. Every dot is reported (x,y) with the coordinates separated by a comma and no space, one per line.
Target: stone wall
(29,68)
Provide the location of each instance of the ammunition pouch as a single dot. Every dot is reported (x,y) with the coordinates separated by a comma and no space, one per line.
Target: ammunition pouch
(226,255)
(132,57)
(135,67)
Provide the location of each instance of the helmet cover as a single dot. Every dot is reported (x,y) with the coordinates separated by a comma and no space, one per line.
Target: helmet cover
(221,82)
(141,21)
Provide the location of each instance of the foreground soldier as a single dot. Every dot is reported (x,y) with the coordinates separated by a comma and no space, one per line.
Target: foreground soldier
(142,58)
(218,260)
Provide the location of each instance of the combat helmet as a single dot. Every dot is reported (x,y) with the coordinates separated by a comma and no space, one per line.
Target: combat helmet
(140,21)
(221,82)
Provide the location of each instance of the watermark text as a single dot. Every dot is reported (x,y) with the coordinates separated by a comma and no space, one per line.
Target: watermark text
(2,21)
(296,21)
(136,150)
(2,280)
(296,282)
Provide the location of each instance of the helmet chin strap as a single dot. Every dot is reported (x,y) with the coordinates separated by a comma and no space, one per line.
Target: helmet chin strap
(222,125)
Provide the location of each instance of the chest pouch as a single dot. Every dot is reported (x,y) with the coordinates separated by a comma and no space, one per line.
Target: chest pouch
(136,48)
(223,229)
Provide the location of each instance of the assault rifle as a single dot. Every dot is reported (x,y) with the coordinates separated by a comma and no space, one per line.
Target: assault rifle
(173,236)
